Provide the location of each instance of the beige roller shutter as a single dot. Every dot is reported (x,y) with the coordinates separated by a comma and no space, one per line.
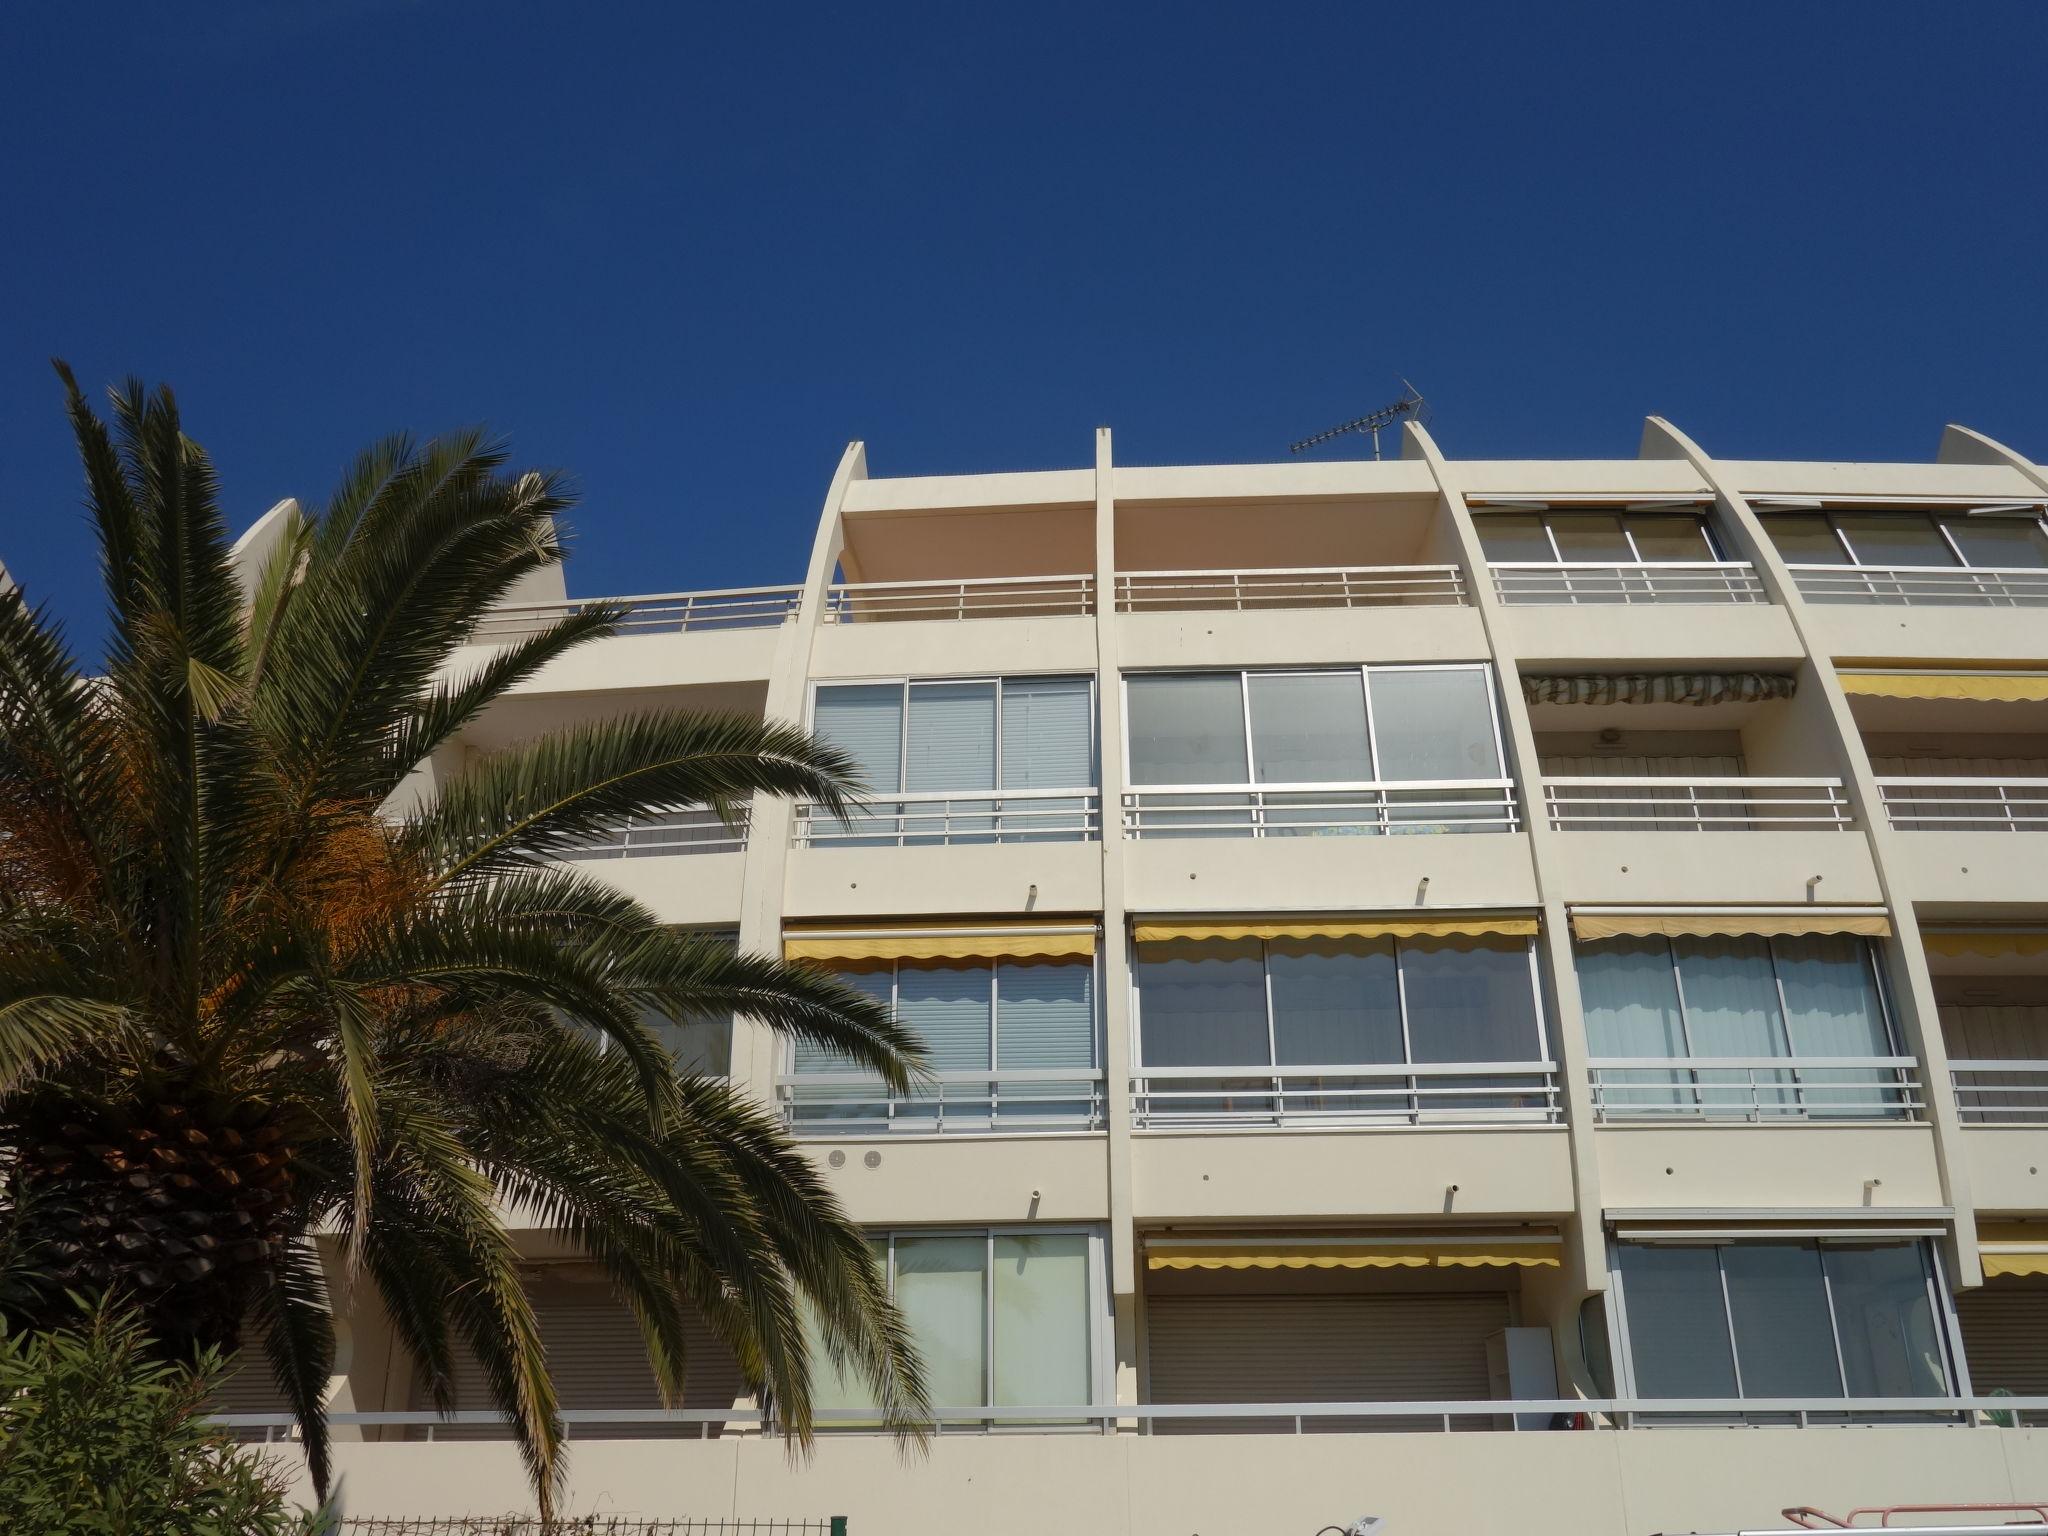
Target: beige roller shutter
(597,1360)
(2005,1336)
(248,1386)
(1279,1349)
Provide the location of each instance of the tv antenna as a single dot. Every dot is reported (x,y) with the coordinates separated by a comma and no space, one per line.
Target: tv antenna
(1411,403)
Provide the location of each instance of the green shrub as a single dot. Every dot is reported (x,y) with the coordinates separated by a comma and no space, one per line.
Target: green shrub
(98,1438)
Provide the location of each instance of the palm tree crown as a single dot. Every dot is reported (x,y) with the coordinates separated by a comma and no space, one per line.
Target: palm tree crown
(243,1005)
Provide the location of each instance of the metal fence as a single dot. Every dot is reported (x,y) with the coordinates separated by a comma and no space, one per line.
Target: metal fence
(1761,1088)
(1358,809)
(1917,804)
(1410,1093)
(996,597)
(1384,586)
(956,816)
(1660,583)
(1725,804)
(1934,585)
(1009,1100)
(2001,1092)
(591,1525)
(693,829)
(656,614)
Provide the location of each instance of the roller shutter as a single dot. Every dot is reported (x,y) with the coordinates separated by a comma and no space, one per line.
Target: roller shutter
(247,1386)
(597,1360)
(2005,1336)
(1279,1349)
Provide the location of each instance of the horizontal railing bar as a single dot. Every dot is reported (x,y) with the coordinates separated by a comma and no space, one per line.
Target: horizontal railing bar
(1745,1063)
(964,797)
(1721,781)
(1960,573)
(1620,565)
(647,598)
(1259,572)
(1375,1069)
(1907,781)
(1001,1075)
(968,582)
(1997,1066)
(1327,787)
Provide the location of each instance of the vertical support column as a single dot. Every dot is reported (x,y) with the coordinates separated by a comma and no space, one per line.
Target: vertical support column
(1912,987)
(1115,969)
(1585,1249)
(756,1050)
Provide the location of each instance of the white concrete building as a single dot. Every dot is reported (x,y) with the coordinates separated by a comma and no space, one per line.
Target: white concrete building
(1495,994)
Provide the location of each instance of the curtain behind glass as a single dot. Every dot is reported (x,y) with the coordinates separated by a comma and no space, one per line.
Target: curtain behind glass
(1628,993)
(1472,998)
(1677,1333)
(1435,723)
(832,1387)
(1731,1009)
(1337,1002)
(1832,1008)
(865,720)
(1309,728)
(1041,1321)
(1045,1019)
(1778,1303)
(1189,729)
(1203,1005)
(1891,1341)
(941,1287)
(1048,743)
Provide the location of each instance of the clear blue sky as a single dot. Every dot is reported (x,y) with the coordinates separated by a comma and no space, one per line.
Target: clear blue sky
(687,251)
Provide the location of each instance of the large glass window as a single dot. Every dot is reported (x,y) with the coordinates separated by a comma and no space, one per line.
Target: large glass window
(1590,536)
(1942,541)
(1012,1045)
(1790,1318)
(1001,1318)
(1248,751)
(1281,1019)
(972,758)
(1743,998)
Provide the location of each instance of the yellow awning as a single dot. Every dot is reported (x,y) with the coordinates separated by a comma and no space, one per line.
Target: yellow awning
(1390,1253)
(2008,688)
(1991,945)
(1588,926)
(1340,928)
(949,941)
(2013,1247)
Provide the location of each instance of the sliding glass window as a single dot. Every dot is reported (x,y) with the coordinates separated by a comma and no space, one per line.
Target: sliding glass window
(1751,1002)
(1272,1030)
(1795,1318)
(1328,753)
(2013,541)
(962,760)
(1595,555)
(1011,1043)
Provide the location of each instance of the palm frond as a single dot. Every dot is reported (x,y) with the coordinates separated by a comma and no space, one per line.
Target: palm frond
(298,1340)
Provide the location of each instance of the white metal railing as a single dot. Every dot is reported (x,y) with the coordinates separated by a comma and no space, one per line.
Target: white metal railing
(942,1103)
(1355,809)
(991,597)
(1407,1093)
(693,829)
(1696,804)
(1975,586)
(2001,1092)
(1485,1414)
(659,613)
(1651,582)
(1965,804)
(1368,586)
(1004,816)
(1754,1088)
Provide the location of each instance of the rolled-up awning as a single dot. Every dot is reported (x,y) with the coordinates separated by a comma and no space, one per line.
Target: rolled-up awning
(1990,943)
(1657,687)
(1161,932)
(1590,923)
(1994,687)
(945,941)
(1410,1250)
(2013,1248)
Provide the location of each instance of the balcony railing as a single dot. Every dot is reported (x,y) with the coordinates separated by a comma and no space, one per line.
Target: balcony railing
(1932,585)
(995,597)
(1507,1415)
(944,1103)
(1696,805)
(1655,583)
(1357,809)
(1381,586)
(694,829)
(912,821)
(1409,1093)
(2001,1092)
(659,614)
(1965,804)
(1755,1088)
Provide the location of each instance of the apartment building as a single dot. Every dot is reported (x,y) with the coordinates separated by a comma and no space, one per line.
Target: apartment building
(1485,993)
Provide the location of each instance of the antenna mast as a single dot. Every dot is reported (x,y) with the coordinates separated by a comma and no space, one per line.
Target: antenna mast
(1411,403)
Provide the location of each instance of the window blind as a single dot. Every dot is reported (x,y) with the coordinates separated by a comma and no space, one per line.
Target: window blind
(1048,733)
(865,720)
(952,736)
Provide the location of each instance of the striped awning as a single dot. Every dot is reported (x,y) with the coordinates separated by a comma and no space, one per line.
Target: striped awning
(942,941)
(2013,1248)
(1449,926)
(1410,1250)
(1591,923)
(1992,687)
(1657,687)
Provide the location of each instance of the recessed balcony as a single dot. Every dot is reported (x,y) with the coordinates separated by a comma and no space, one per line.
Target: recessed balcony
(1991,986)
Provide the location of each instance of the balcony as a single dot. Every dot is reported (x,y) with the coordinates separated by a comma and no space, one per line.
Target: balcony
(693,829)
(1974,804)
(1637,584)
(1345,1095)
(988,597)
(825,1105)
(1256,590)
(1754,1090)
(1696,804)
(665,613)
(1923,585)
(954,820)
(1354,809)
(1991,988)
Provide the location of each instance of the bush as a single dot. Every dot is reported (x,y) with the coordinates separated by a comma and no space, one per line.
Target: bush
(99,1438)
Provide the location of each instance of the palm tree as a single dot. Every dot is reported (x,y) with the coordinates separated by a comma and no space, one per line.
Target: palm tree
(242,1003)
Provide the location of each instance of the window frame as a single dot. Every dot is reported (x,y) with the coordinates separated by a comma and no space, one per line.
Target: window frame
(1362,670)
(1933,1276)
(904,682)
(1702,516)
(1940,517)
